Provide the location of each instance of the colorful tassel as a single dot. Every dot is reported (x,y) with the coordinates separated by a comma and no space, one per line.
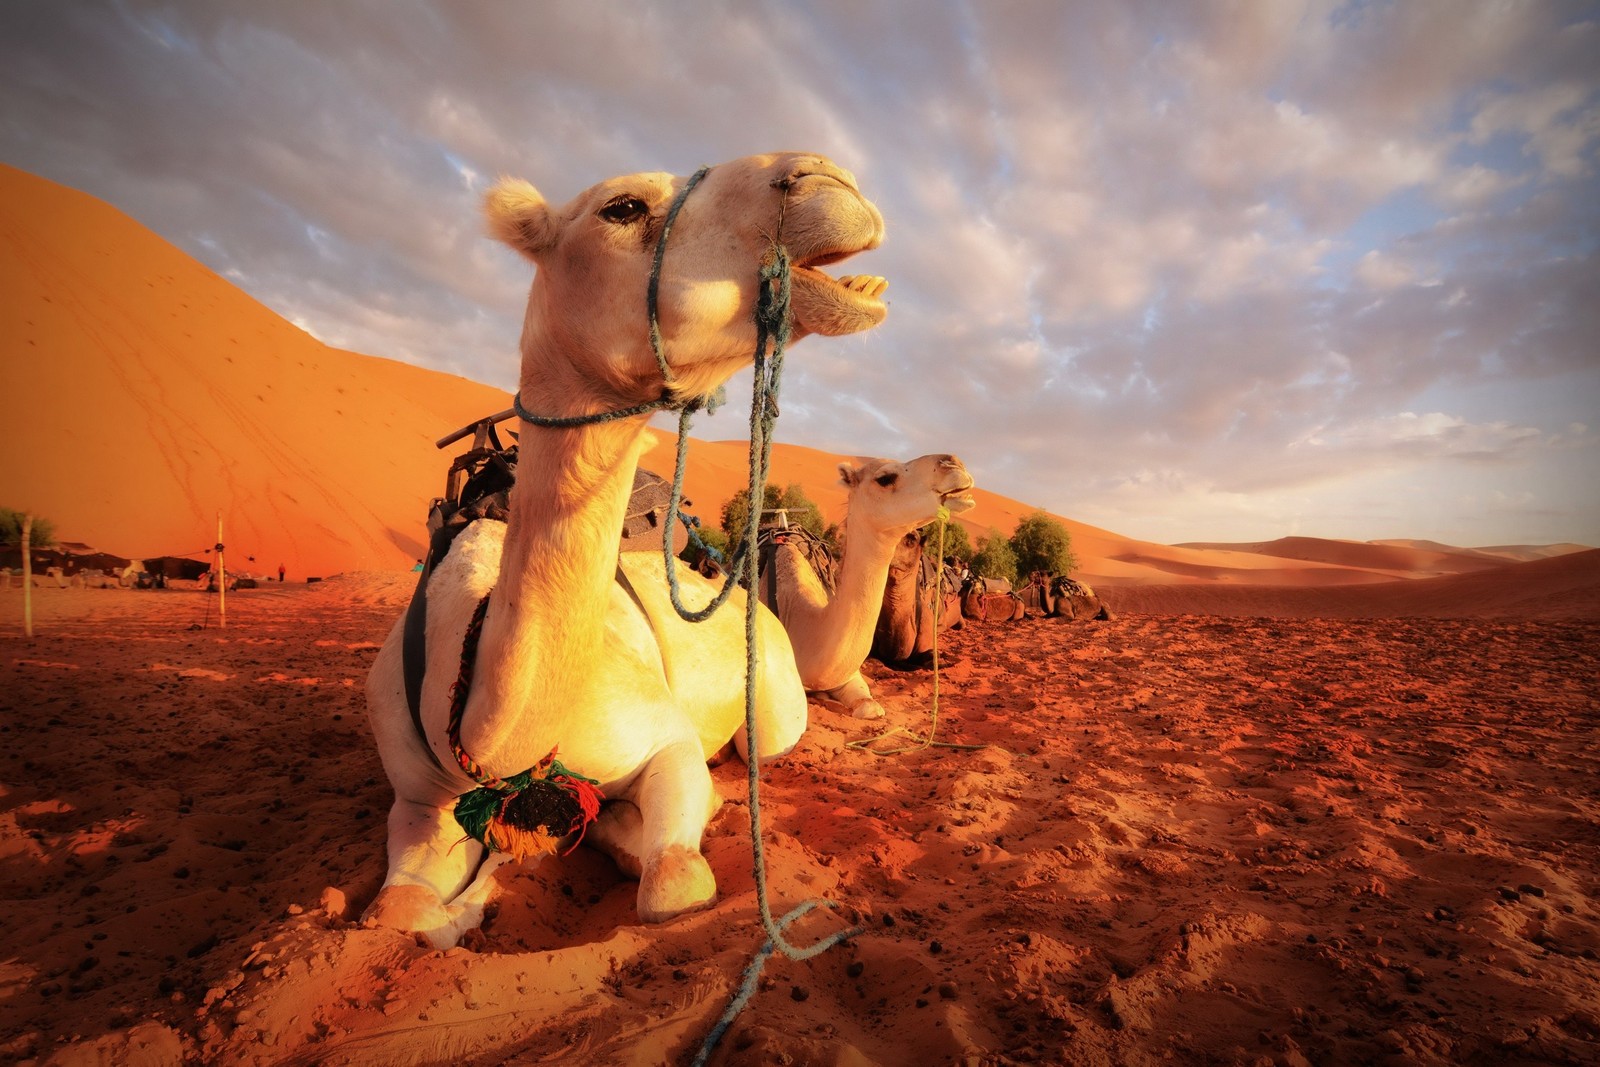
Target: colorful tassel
(529,813)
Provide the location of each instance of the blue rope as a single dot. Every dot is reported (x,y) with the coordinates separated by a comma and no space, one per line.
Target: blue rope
(655,272)
(772,321)
(747,988)
(561,422)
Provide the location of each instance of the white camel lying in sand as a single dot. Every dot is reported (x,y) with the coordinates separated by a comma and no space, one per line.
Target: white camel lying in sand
(833,635)
(571,659)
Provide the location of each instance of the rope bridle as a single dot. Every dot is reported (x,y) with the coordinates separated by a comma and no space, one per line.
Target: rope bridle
(667,399)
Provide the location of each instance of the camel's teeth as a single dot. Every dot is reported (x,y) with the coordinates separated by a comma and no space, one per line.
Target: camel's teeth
(866,284)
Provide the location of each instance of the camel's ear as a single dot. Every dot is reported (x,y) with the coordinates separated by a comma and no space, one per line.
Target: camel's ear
(519,216)
(850,475)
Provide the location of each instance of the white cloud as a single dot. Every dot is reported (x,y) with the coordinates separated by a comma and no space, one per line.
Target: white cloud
(1561,123)
(1377,270)
(1407,437)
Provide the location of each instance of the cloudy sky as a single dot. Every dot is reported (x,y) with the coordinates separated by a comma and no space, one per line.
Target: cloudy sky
(1221,272)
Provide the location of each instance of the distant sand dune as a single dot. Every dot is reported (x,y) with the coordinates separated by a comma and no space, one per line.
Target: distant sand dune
(1561,587)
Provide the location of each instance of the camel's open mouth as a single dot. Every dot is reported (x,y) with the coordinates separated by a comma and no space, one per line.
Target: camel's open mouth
(864,290)
(832,306)
(958,500)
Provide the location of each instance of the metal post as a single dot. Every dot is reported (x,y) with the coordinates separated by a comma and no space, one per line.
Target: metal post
(222,580)
(27,575)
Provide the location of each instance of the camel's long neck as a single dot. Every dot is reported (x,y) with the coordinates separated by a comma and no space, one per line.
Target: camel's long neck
(545,626)
(834,635)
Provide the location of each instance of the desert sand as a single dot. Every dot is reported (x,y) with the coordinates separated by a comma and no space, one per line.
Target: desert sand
(1174,838)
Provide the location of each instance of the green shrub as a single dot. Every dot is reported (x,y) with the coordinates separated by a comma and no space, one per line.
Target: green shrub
(1041,543)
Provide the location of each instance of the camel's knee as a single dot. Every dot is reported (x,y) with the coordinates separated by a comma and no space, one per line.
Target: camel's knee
(675,800)
(427,847)
(409,908)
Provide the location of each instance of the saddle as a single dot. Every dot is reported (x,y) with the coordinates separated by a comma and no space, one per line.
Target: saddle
(813,549)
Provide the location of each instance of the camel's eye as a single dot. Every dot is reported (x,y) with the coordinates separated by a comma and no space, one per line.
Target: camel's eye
(886,479)
(623,209)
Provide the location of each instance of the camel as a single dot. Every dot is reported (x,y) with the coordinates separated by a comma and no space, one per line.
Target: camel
(990,600)
(921,598)
(832,635)
(1072,599)
(581,651)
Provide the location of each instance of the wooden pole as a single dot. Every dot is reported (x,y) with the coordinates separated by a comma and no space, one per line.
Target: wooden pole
(222,580)
(27,575)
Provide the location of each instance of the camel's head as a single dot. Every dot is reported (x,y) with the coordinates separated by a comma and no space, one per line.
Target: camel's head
(900,497)
(586,341)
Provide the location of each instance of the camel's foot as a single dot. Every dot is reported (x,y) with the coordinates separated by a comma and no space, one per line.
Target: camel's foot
(413,909)
(855,696)
(867,709)
(675,881)
(417,909)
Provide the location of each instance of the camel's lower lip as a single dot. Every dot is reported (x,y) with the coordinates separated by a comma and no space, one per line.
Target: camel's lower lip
(960,500)
(828,305)
(857,288)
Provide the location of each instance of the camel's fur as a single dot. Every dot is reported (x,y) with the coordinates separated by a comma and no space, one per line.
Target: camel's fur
(631,695)
(832,636)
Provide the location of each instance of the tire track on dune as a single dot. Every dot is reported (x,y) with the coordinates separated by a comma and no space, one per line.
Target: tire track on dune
(126,342)
(300,471)
(151,399)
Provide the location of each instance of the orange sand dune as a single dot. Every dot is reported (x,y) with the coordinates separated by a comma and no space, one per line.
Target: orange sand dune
(143,394)
(1402,559)
(1560,587)
(1524,553)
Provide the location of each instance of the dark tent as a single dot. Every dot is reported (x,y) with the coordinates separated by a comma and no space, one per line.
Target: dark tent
(170,567)
(96,561)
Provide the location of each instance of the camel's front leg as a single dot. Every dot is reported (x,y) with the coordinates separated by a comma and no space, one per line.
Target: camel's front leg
(855,695)
(675,799)
(438,880)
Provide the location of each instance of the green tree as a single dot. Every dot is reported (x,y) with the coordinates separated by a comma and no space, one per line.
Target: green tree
(713,538)
(957,543)
(43,534)
(1042,544)
(994,558)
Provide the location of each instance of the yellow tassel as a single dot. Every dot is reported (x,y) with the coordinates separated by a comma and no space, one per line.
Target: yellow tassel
(518,843)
